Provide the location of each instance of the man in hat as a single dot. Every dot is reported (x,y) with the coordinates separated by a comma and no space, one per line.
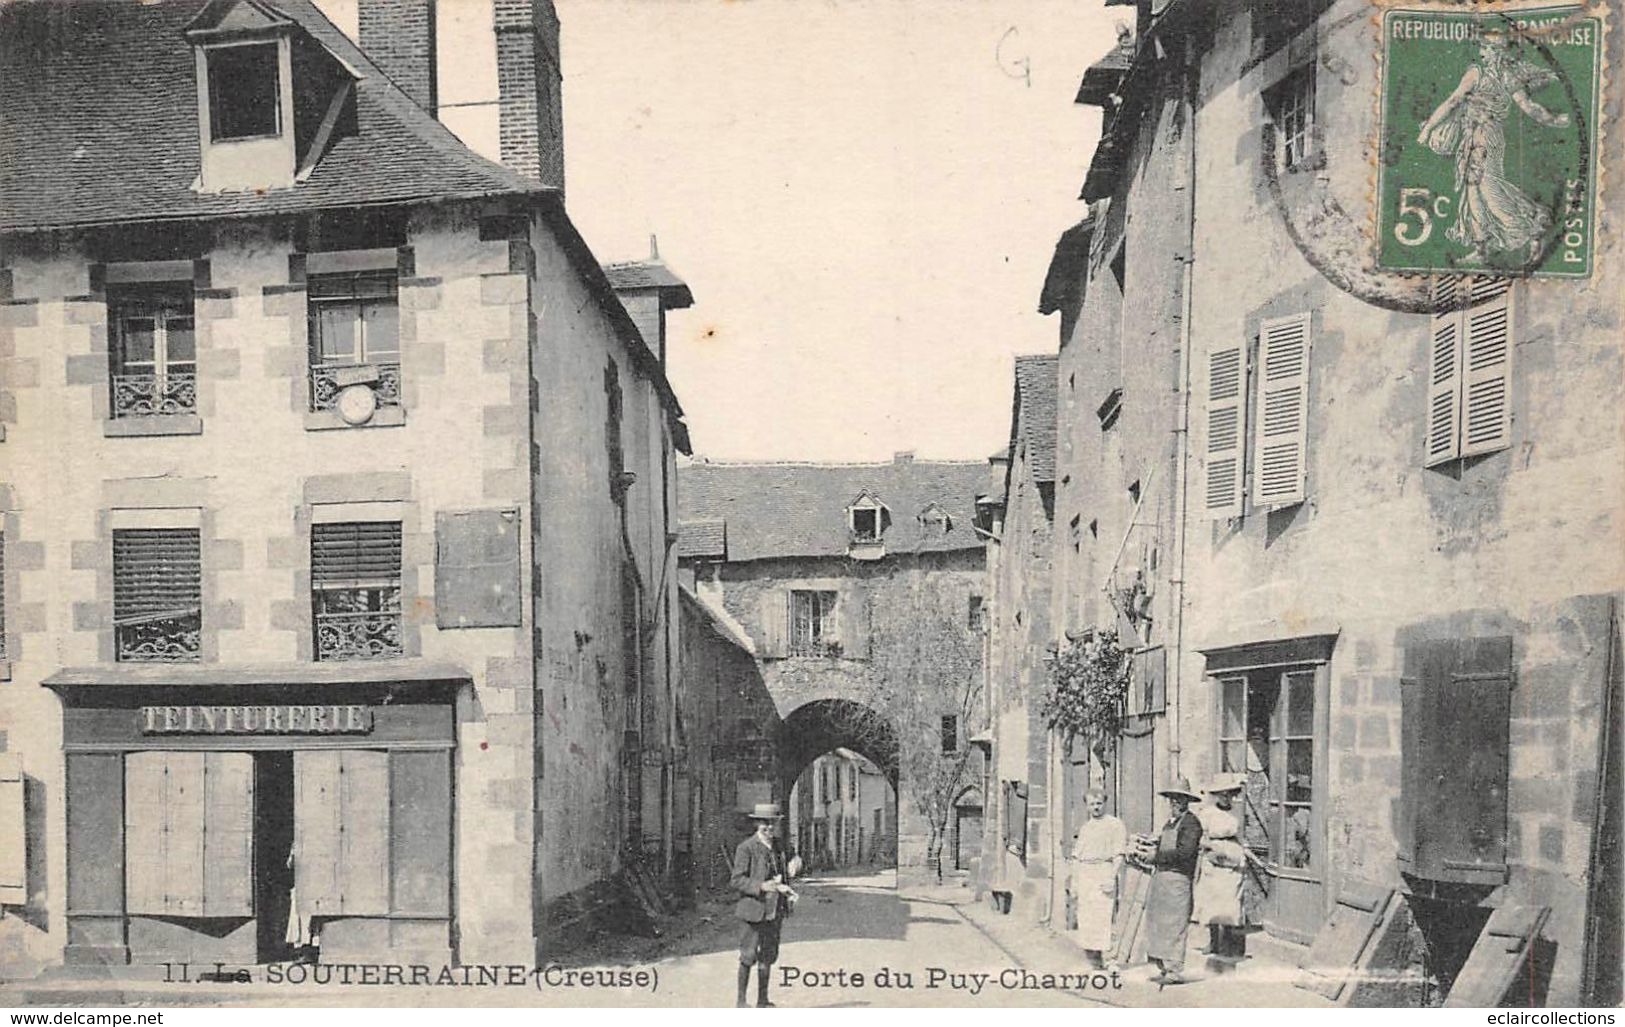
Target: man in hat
(759,876)
(1168,901)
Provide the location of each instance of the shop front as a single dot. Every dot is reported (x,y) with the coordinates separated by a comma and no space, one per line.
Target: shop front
(222,815)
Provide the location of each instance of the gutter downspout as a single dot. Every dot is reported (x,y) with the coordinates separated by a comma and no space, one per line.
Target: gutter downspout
(1183,415)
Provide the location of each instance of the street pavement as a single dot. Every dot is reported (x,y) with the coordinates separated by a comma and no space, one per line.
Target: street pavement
(855,940)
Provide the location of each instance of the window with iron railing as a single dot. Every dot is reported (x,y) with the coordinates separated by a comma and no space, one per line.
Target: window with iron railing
(813,624)
(153,350)
(157,595)
(355,336)
(355,579)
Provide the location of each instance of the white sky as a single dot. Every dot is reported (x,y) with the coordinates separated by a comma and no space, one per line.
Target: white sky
(862,195)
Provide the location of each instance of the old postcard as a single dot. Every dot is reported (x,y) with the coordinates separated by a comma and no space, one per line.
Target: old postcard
(671,503)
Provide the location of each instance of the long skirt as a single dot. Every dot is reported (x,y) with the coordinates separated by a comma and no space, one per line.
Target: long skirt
(1216,896)
(1095,908)
(1167,917)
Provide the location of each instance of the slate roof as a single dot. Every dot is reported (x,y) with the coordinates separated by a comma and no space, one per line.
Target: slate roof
(98,123)
(651,274)
(1032,416)
(799,509)
(1065,279)
(707,539)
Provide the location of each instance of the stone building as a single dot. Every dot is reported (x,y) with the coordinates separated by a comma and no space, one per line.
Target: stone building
(727,723)
(1392,608)
(842,813)
(334,480)
(1019,857)
(860,587)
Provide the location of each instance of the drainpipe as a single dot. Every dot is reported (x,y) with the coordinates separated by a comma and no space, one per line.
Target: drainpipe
(1182,417)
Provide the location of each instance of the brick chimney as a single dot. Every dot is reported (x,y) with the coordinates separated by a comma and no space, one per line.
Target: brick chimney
(399,37)
(528,83)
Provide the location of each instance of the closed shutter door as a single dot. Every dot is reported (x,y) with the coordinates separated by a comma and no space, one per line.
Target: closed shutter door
(364,832)
(1443,442)
(13,833)
(773,616)
(1226,416)
(145,825)
(1456,712)
(185,819)
(316,831)
(1486,416)
(1281,457)
(853,610)
(341,832)
(228,844)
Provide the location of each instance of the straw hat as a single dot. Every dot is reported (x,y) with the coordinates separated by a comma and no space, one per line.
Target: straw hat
(1181,788)
(1227,783)
(765,811)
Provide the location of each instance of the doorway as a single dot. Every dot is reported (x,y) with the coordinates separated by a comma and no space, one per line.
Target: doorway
(273,849)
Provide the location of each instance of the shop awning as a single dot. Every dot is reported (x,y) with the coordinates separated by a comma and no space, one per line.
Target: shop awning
(247,675)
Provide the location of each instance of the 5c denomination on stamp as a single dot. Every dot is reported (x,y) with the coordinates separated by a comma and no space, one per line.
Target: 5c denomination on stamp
(1489,123)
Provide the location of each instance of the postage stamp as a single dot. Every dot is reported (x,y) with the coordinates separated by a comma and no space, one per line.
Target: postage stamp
(1488,126)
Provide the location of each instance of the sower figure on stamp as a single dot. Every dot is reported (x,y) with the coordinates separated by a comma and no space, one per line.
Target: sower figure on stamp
(1168,901)
(760,876)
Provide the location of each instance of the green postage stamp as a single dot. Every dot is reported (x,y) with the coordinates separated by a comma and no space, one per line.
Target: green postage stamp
(1489,124)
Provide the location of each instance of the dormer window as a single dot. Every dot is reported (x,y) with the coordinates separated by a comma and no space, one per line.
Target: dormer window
(243,52)
(244,87)
(865,525)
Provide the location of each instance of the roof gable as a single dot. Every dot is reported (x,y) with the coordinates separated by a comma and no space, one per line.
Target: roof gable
(229,17)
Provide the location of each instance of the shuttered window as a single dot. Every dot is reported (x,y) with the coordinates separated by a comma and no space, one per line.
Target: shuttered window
(188,825)
(341,832)
(1226,416)
(355,575)
(2,597)
(1281,446)
(157,594)
(13,833)
(1469,404)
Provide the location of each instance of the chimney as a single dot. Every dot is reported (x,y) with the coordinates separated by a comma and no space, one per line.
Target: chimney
(531,115)
(903,457)
(399,37)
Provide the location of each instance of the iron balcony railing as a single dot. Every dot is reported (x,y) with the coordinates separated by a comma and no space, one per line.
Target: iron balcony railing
(161,640)
(150,395)
(328,380)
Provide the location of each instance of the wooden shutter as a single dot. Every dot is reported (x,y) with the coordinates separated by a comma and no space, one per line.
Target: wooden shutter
(164,823)
(852,609)
(1341,945)
(476,569)
(1498,970)
(228,834)
(1280,461)
(364,832)
(144,832)
(1226,417)
(773,614)
(341,832)
(316,832)
(1486,414)
(13,833)
(1456,721)
(1443,442)
(156,574)
(353,554)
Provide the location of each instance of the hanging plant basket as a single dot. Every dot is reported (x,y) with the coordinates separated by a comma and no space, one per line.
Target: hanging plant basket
(1088,682)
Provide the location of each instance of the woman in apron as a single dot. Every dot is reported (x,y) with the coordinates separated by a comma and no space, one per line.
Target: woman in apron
(1217,893)
(1097,853)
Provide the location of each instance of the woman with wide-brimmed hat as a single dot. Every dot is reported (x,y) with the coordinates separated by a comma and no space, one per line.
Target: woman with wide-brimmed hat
(1217,892)
(1168,901)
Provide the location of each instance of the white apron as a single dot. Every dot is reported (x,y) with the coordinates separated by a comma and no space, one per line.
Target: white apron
(1095,855)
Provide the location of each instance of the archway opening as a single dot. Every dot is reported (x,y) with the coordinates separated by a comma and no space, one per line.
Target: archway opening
(839,761)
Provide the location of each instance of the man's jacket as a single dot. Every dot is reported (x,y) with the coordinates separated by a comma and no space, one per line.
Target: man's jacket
(753,864)
(1178,845)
